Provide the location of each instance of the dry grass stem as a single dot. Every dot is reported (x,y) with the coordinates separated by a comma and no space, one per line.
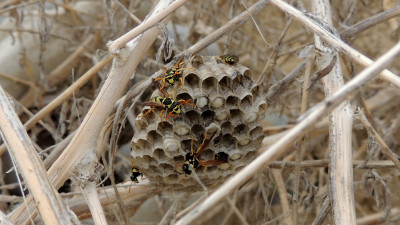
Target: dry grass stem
(3,219)
(62,97)
(145,25)
(283,196)
(107,198)
(326,208)
(333,40)
(230,25)
(61,72)
(359,164)
(379,218)
(372,132)
(349,32)
(281,146)
(93,201)
(27,161)
(340,127)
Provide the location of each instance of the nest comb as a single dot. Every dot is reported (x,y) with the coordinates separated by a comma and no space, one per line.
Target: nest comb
(226,101)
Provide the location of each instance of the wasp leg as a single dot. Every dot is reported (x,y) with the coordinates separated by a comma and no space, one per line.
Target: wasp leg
(161,117)
(148,111)
(204,140)
(130,187)
(177,86)
(162,78)
(171,114)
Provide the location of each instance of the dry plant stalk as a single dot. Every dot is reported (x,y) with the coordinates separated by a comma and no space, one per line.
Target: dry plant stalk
(333,40)
(340,128)
(51,207)
(145,25)
(63,97)
(92,198)
(3,219)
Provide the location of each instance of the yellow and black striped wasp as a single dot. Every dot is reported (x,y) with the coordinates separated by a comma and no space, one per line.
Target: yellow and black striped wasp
(192,160)
(228,59)
(173,75)
(135,173)
(165,103)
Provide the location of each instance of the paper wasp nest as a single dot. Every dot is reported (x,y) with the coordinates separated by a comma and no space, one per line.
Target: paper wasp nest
(227,101)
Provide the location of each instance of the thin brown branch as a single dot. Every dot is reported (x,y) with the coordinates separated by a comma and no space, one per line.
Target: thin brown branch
(269,66)
(325,209)
(372,132)
(233,23)
(363,25)
(379,218)
(62,97)
(283,196)
(63,70)
(322,73)
(358,164)
(145,25)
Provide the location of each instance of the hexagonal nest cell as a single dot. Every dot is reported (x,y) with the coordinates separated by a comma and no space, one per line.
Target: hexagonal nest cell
(224,100)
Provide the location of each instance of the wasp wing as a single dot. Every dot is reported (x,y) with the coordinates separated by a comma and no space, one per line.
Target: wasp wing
(153,104)
(211,162)
(204,145)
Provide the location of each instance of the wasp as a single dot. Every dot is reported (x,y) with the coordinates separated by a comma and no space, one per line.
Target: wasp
(173,75)
(192,158)
(229,59)
(135,173)
(165,103)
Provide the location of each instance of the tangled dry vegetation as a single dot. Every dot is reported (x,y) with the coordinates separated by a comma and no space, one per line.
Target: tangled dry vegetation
(78,96)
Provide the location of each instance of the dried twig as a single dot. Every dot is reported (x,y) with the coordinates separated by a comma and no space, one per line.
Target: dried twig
(326,208)
(145,25)
(333,40)
(93,201)
(340,127)
(64,69)
(349,32)
(372,132)
(3,219)
(379,218)
(280,185)
(358,164)
(23,153)
(322,73)
(63,96)
(233,23)
(269,66)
